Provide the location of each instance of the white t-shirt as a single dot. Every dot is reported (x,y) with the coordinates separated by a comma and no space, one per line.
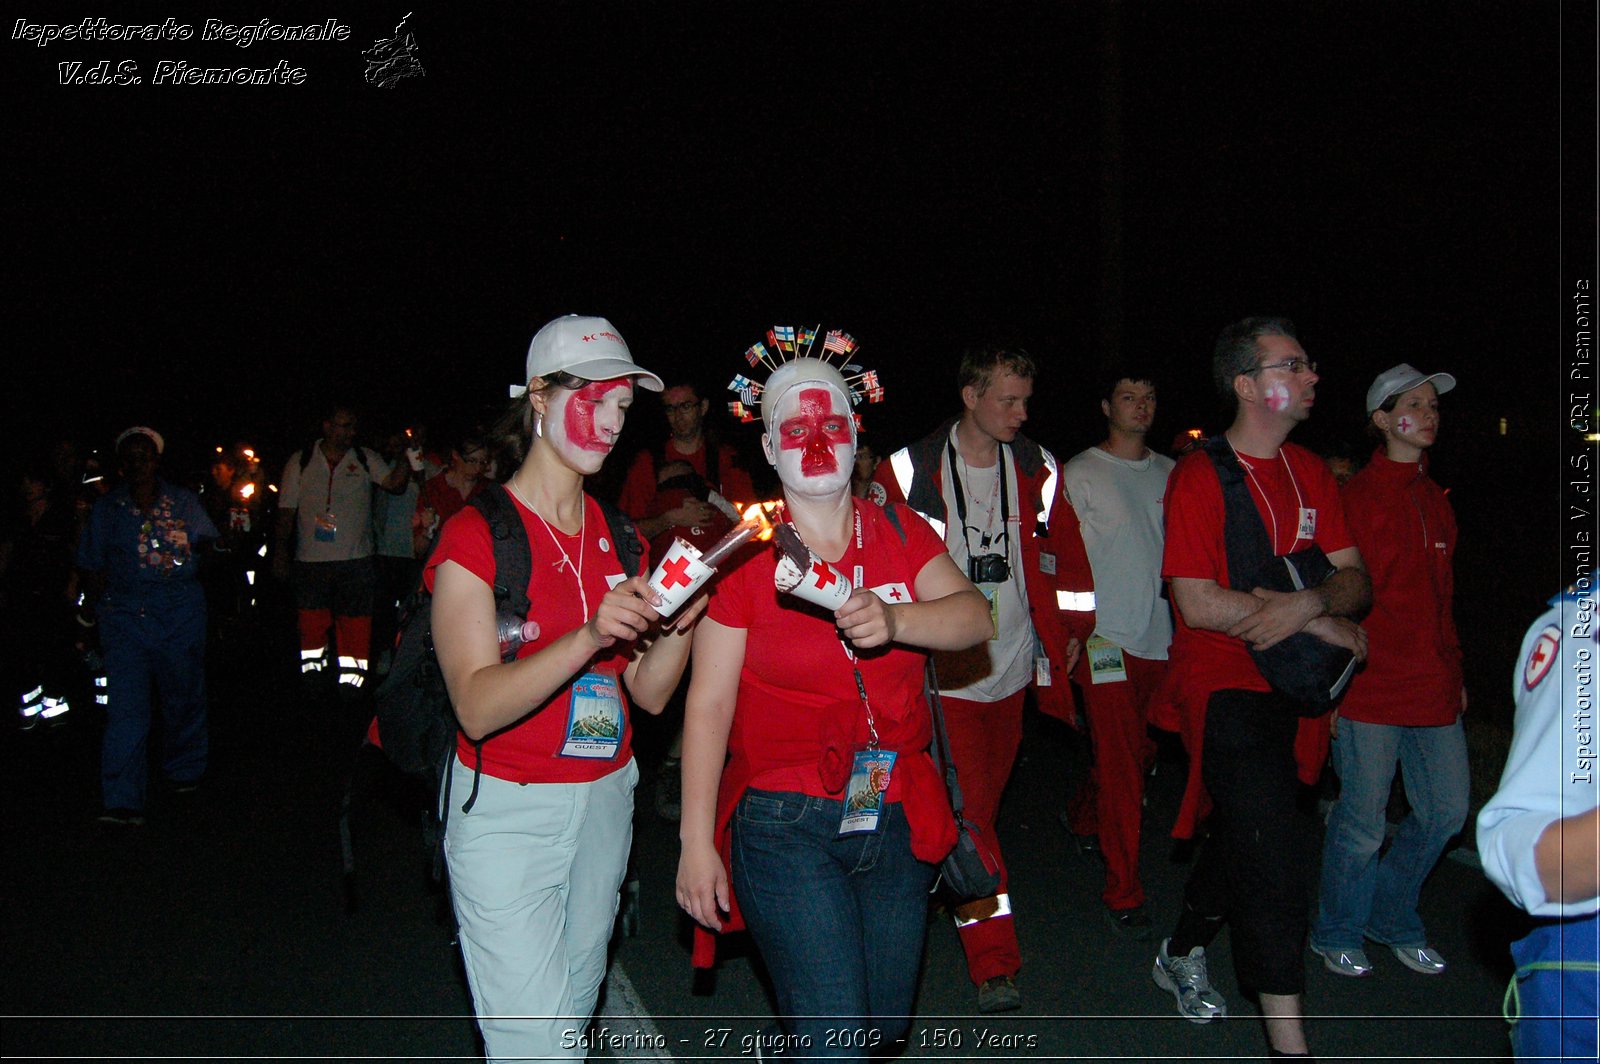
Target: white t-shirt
(1118,503)
(999,667)
(333,507)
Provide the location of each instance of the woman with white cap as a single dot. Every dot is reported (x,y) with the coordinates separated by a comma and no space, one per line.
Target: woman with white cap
(537,855)
(1405,707)
(788,705)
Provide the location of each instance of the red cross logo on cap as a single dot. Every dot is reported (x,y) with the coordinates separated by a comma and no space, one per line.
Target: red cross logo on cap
(824,575)
(675,573)
(1542,657)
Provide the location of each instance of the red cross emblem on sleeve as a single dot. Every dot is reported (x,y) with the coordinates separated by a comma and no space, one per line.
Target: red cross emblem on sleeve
(823,574)
(894,593)
(675,573)
(1543,655)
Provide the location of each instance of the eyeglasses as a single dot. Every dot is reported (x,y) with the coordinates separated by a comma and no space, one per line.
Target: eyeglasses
(1293,365)
(682,408)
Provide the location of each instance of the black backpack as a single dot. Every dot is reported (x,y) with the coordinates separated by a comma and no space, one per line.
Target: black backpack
(417,725)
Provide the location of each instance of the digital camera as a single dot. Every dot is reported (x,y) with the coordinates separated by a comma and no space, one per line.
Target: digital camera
(988,569)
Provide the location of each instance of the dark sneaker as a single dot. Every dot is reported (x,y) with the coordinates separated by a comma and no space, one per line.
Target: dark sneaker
(1130,923)
(1351,962)
(1420,959)
(999,994)
(130,818)
(1186,979)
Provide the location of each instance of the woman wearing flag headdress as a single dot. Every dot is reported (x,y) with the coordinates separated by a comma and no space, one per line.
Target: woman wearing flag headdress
(787,703)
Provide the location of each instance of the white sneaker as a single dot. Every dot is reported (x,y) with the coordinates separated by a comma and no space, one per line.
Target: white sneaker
(1186,978)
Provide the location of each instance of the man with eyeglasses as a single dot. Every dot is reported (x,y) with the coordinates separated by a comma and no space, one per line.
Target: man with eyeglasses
(669,493)
(1241,734)
(444,496)
(689,440)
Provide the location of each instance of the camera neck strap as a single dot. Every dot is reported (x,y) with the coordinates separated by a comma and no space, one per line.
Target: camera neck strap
(961,497)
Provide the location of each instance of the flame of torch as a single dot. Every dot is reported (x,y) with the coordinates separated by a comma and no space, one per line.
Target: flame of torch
(757,524)
(247,491)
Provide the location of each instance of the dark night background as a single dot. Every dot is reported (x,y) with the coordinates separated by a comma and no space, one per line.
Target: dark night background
(1087,179)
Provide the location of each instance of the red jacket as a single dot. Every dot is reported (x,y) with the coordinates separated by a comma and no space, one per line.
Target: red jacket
(1060,604)
(1406,532)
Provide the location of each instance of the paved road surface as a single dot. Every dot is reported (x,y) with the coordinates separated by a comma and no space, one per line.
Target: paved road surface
(224,930)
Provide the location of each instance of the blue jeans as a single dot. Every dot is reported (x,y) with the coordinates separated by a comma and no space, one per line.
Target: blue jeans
(166,648)
(1363,896)
(839,920)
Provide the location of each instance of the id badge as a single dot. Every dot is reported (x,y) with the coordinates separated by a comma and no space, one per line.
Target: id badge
(1308,523)
(1047,563)
(1041,671)
(1106,664)
(992,593)
(327,528)
(864,796)
(594,717)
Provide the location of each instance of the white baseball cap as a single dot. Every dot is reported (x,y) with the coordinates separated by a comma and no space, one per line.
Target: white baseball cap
(141,430)
(1403,378)
(585,347)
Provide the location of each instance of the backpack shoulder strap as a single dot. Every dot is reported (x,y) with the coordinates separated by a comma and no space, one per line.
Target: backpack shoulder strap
(1244,534)
(891,510)
(513,557)
(625,535)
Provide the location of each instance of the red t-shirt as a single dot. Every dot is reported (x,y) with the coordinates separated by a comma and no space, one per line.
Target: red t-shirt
(638,499)
(530,751)
(1282,489)
(440,496)
(797,692)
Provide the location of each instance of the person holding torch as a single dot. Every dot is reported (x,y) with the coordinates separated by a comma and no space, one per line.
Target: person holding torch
(812,812)
(537,852)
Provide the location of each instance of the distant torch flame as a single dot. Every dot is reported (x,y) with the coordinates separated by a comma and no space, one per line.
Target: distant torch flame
(757,524)
(1195,434)
(247,491)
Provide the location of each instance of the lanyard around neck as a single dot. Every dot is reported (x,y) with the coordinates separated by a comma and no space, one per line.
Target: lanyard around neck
(961,498)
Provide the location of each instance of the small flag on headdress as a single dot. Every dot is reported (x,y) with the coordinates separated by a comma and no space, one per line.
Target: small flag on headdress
(840,343)
(859,426)
(874,395)
(747,388)
(806,336)
(755,354)
(740,411)
(785,335)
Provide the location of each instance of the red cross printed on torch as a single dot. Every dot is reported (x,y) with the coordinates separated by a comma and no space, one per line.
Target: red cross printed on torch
(675,573)
(824,575)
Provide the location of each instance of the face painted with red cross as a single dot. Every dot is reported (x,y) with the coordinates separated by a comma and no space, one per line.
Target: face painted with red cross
(583,425)
(813,440)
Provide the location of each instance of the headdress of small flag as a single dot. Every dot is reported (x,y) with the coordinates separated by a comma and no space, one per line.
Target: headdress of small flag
(784,343)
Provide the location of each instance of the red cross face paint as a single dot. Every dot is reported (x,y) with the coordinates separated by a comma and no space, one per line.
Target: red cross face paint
(583,425)
(815,439)
(1414,422)
(1277,397)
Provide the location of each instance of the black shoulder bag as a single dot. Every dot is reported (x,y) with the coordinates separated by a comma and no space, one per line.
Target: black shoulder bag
(1303,668)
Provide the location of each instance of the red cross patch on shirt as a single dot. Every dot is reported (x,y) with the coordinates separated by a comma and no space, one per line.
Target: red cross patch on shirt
(1546,649)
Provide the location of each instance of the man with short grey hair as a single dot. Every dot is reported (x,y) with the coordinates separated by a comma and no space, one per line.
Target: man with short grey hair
(1240,731)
